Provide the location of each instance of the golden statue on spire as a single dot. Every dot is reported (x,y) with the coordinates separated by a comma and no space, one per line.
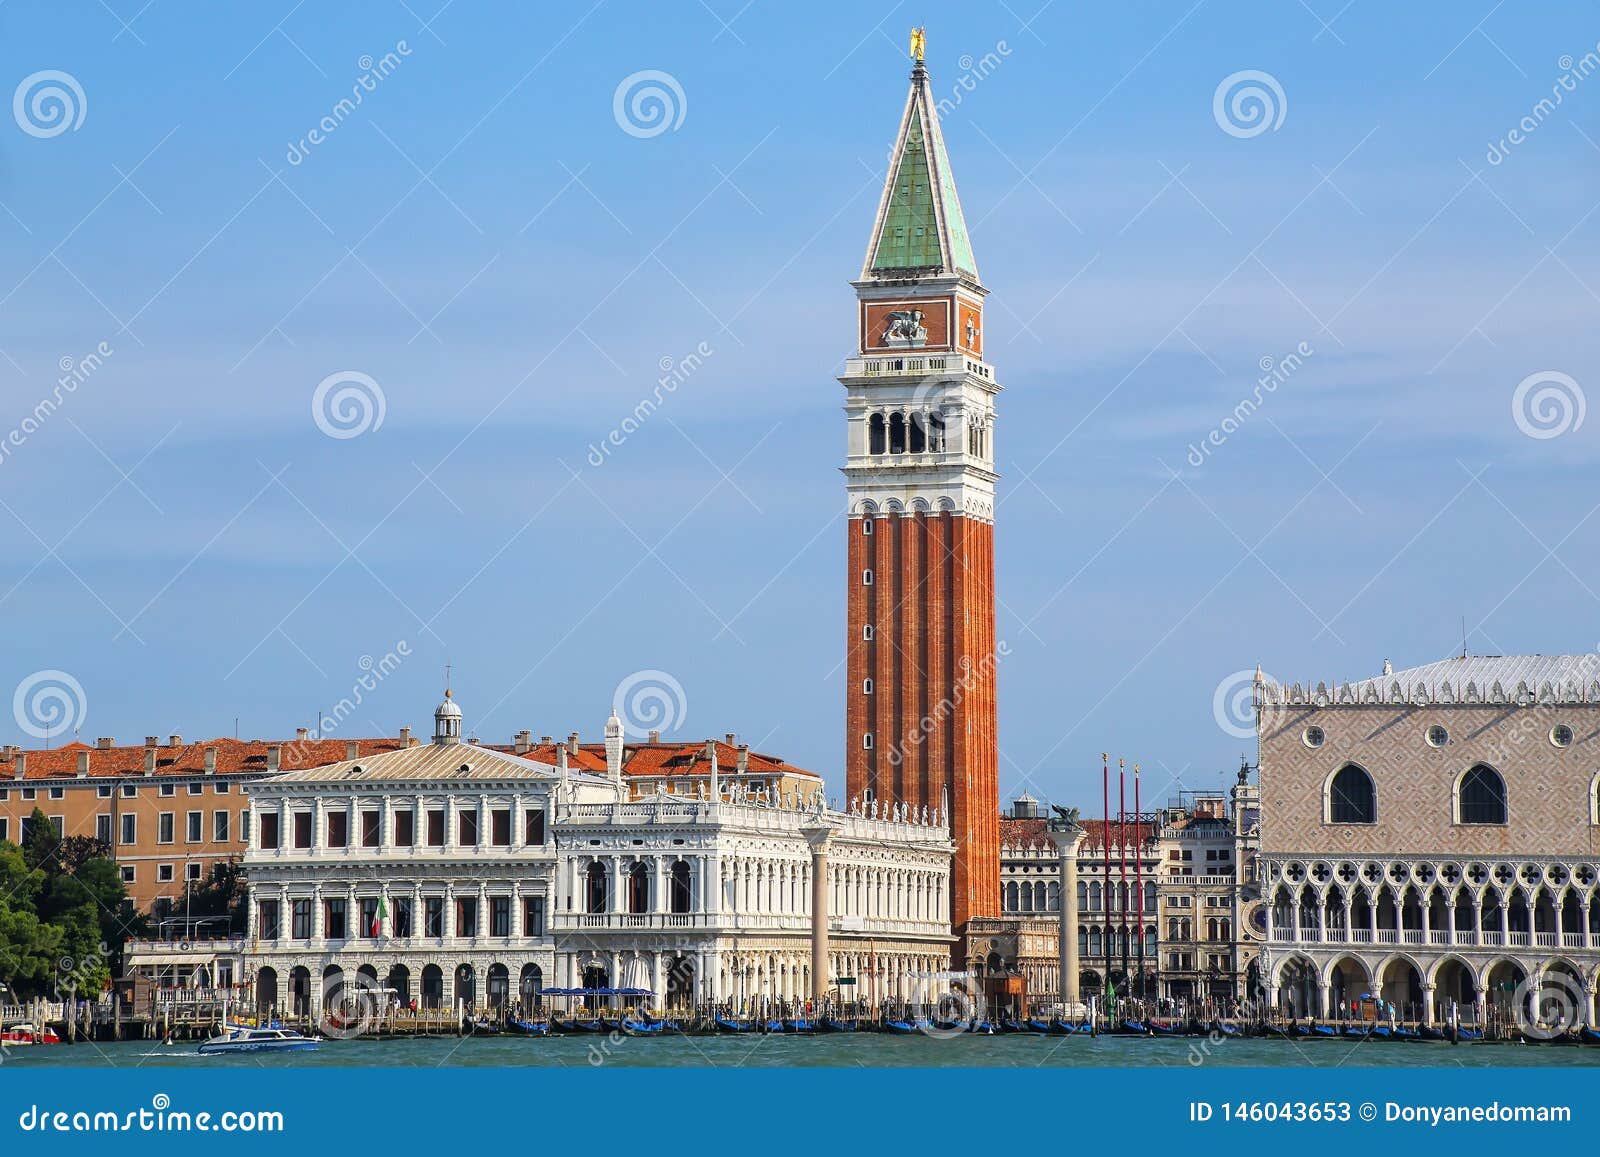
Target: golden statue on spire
(919,43)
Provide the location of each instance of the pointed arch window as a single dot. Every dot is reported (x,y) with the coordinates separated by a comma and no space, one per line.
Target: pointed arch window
(1352,798)
(1481,796)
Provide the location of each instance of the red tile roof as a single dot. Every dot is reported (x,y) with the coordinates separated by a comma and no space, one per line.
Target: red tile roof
(1034,833)
(249,757)
(234,757)
(667,759)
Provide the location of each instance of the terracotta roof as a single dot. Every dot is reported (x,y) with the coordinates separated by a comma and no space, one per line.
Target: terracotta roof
(1035,833)
(234,757)
(249,757)
(1027,833)
(666,759)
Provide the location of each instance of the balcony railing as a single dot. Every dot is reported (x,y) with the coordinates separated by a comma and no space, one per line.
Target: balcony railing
(1443,937)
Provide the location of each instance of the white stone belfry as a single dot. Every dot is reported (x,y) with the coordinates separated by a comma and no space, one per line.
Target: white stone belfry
(447,721)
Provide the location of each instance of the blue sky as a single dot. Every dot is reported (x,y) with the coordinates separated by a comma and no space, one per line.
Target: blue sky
(482,239)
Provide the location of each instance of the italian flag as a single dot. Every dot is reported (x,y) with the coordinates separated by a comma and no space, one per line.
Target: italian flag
(378,918)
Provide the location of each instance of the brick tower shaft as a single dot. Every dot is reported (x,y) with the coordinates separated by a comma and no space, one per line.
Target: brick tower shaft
(922,653)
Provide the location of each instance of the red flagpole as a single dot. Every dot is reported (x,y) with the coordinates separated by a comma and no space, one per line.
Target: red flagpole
(1105,845)
(1138,872)
(1122,861)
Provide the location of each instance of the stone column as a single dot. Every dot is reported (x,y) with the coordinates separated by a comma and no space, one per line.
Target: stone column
(818,837)
(1427,1004)
(1067,841)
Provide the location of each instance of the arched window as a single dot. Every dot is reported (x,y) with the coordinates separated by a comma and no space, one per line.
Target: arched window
(935,433)
(897,433)
(1011,896)
(639,889)
(919,436)
(680,887)
(1481,796)
(875,439)
(1351,797)
(595,888)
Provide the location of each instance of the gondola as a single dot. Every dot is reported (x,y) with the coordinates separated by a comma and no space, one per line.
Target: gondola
(1357,1031)
(1429,1033)
(1009,1025)
(800,1025)
(900,1027)
(832,1025)
(1040,1026)
(1469,1034)
(516,1027)
(1131,1028)
(1225,1029)
(1589,1036)
(725,1024)
(1323,1030)
(1157,1028)
(635,1027)
(981,1028)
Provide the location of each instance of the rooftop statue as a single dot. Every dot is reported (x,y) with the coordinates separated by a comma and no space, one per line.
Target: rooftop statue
(1065,819)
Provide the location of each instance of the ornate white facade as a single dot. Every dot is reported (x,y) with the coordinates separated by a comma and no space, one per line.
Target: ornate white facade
(715,901)
(451,873)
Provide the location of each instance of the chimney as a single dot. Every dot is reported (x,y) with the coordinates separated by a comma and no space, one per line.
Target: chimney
(19,765)
(301,734)
(352,750)
(744,758)
(105,743)
(522,741)
(151,744)
(545,740)
(83,764)
(572,745)
(274,757)
(174,741)
(405,737)
(655,737)
(211,761)
(729,738)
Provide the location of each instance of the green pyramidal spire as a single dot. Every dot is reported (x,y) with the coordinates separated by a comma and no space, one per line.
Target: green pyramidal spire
(920,228)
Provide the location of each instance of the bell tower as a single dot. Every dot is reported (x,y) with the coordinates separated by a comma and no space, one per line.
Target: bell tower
(919,471)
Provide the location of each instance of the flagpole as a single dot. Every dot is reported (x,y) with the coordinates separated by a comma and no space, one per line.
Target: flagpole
(1138,874)
(1105,846)
(1122,861)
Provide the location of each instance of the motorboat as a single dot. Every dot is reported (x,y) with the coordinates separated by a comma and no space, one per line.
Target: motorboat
(241,1039)
(26,1034)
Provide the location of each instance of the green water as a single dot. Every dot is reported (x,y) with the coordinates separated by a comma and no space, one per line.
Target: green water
(848,1049)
